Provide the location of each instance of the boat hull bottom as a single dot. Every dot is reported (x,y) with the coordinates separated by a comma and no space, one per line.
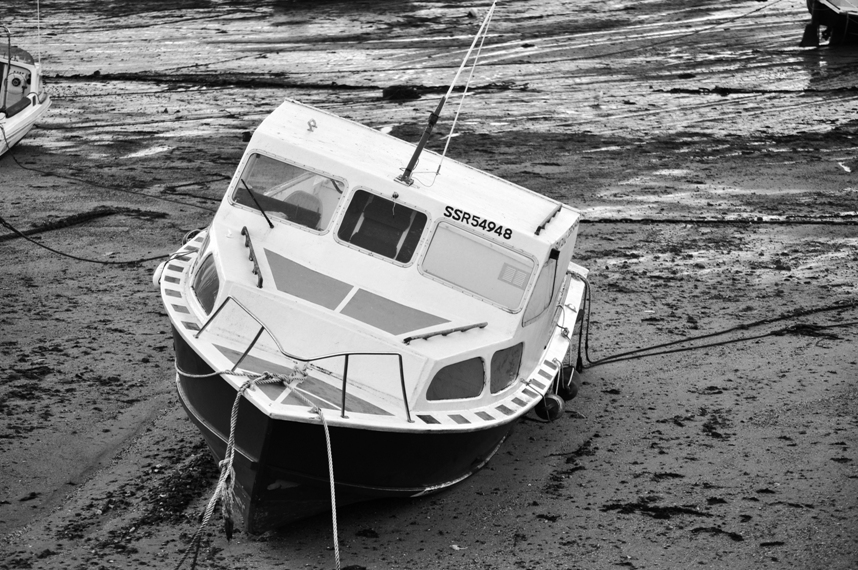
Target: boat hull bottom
(281,466)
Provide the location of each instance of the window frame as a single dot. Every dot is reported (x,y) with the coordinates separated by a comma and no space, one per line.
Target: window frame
(192,284)
(520,345)
(479,395)
(552,297)
(526,291)
(341,218)
(239,175)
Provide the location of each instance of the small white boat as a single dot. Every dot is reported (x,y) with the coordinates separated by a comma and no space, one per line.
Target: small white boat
(346,329)
(422,321)
(23,99)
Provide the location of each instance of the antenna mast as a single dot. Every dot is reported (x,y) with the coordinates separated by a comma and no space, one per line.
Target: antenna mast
(405,177)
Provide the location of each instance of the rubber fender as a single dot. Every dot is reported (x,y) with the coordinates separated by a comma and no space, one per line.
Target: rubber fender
(570,382)
(550,407)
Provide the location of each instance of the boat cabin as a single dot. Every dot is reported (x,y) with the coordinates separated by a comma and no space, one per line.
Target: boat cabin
(461,273)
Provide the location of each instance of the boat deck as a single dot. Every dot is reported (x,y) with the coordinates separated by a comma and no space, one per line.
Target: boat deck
(322,386)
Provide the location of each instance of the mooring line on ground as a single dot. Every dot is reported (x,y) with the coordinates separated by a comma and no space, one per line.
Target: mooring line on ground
(796,328)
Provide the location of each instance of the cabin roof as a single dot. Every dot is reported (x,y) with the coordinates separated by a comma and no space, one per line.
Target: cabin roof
(339,144)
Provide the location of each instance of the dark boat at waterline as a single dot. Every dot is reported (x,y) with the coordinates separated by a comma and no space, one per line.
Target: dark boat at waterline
(834,21)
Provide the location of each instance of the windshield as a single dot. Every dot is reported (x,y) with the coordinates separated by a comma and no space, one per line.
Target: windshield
(479,266)
(288,192)
(14,84)
(378,225)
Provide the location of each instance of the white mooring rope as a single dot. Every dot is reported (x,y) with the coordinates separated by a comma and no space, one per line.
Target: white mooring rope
(226,482)
(481,34)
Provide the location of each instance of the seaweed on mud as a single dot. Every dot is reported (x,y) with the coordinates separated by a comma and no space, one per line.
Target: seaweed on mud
(164,503)
(646,506)
(585,449)
(715,423)
(557,479)
(662,476)
(735,536)
(168,501)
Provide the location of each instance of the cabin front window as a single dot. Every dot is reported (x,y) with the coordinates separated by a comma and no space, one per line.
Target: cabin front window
(382,227)
(288,192)
(478,266)
(458,381)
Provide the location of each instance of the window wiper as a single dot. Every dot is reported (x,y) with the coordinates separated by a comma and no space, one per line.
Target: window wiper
(255,201)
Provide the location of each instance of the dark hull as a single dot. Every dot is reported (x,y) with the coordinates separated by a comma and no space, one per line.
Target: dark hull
(840,27)
(281,466)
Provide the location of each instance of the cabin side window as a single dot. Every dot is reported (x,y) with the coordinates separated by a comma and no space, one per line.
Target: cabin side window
(544,290)
(288,192)
(207,284)
(478,266)
(382,226)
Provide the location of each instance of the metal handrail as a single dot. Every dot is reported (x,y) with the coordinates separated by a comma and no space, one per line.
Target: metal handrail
(249,245)
(547,219)
(345,355)
(444,332)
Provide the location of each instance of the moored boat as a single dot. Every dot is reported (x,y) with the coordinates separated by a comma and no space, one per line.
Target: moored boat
(346,330)
(23,99)
(835,21)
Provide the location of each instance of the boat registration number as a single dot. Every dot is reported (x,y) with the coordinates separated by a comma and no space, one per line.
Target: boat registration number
(472,220)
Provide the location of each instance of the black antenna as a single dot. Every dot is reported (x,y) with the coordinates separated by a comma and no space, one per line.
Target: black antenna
(405,178)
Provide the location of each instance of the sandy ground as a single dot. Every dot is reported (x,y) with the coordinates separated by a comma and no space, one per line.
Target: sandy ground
(714,159)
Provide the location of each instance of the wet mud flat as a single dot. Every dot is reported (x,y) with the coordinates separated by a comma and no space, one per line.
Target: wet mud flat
(715,162)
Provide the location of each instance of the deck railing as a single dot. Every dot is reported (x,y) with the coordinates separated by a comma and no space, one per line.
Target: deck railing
(308,360)
(249,245)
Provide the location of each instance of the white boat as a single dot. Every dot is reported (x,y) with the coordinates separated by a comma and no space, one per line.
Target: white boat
(23,99)
(421,321)
(346,329)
